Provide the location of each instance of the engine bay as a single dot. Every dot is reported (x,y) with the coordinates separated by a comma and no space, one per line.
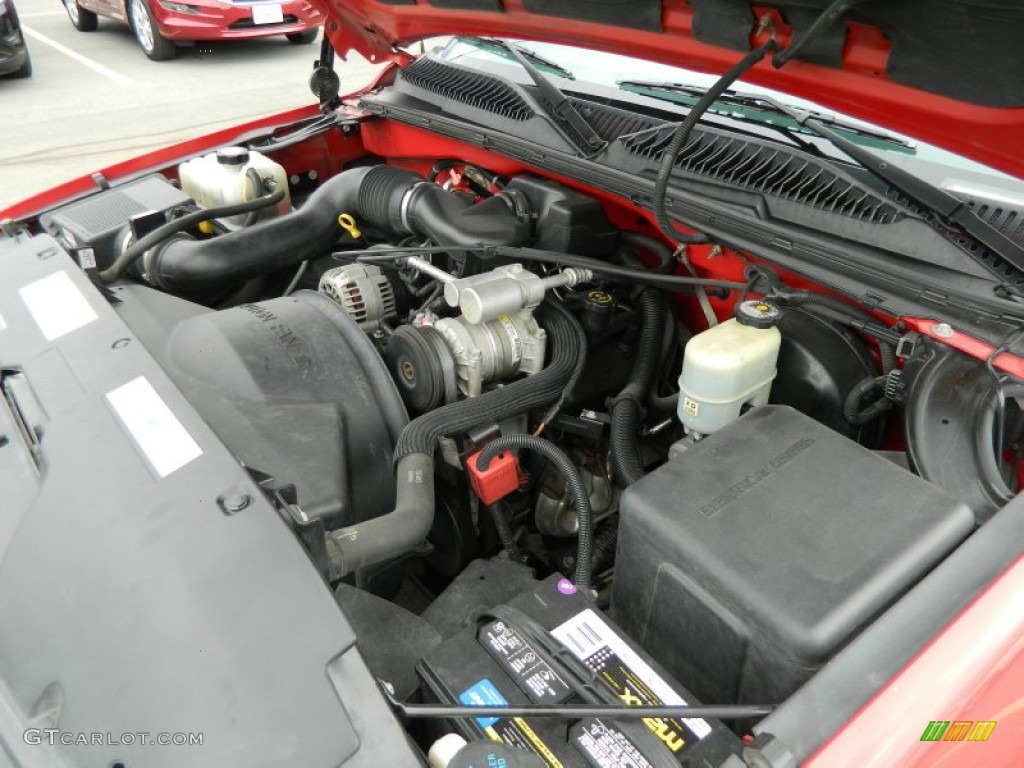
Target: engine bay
(541,456)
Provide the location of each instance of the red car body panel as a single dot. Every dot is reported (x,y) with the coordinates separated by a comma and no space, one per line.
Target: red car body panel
(227,21)
(973,671)
(215,19)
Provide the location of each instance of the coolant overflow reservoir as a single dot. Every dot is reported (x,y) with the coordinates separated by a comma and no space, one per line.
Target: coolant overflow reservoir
(223,178)
(729,367)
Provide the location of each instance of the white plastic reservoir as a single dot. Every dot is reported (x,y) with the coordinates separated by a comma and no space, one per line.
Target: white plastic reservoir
(223,178)
(729,367)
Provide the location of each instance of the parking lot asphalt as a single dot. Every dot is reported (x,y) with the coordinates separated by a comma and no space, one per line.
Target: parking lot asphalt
(94,99)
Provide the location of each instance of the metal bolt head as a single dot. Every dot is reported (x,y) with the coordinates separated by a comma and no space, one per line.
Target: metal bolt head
(943,330)
(235,501)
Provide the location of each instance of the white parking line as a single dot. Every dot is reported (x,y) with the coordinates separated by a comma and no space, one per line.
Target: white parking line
(93,65)
(40,13)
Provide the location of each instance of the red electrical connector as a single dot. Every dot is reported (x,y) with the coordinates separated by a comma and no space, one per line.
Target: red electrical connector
(497,481)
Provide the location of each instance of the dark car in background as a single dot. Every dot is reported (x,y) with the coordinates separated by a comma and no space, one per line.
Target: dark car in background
(159,24)
(14,58)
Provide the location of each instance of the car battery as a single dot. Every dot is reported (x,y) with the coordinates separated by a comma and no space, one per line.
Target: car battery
(495,663)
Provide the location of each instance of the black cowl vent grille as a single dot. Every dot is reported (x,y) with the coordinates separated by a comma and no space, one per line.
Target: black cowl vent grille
(467,87)
(768,169)
(1009,221)
(610,122)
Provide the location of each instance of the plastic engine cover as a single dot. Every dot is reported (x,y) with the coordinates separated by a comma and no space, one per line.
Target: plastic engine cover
(749,560)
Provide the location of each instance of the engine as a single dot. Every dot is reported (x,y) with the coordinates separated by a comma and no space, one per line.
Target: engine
(482,390)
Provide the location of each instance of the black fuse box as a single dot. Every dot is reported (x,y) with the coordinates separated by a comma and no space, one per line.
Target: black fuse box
(746,562)
(495,663)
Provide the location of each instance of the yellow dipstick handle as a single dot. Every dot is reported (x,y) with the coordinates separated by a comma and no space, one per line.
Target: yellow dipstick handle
(346,222)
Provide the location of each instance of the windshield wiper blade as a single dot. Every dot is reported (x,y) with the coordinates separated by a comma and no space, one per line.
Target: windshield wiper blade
(763,104)
(504,46)
(928,196)
(558,107)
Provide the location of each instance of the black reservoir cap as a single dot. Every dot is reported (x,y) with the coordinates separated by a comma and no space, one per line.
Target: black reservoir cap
(757,314)
(233,156)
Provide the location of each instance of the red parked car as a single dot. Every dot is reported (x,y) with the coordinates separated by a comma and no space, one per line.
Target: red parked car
(159,24)
(625,383)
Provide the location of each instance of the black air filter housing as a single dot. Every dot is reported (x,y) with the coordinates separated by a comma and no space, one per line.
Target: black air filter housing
(291,385)
(746,562)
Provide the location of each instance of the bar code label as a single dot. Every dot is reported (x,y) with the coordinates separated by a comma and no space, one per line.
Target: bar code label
(594,642)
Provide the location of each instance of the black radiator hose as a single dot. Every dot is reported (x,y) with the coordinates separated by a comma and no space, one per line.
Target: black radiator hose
(573,481)
(398,202)
(357,546)
(627,464)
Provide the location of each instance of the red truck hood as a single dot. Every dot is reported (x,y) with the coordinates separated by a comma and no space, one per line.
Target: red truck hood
(942,71)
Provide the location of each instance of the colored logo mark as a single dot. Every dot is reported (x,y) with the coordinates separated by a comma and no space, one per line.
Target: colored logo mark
(958,730)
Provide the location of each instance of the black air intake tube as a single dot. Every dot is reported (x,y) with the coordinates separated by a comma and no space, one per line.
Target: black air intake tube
(626,461)
(398,202)
(402,530)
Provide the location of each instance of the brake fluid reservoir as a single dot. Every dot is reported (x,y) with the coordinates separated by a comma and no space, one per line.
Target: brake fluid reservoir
(729,367)
(223,178)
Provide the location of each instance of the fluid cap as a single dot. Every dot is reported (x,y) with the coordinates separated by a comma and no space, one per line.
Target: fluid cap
(488,754)
(233,156)
(445,749)
(757,314)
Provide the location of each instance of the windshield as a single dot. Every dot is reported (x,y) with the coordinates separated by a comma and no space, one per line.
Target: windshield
(571,65)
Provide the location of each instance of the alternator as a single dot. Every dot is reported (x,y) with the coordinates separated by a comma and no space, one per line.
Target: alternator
(363,292)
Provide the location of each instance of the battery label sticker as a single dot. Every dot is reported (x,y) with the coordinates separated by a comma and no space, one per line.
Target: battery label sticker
(518,658)
(604,746)
(592,641)
(157,433)
(483,694)
(516,732)
(57,306)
